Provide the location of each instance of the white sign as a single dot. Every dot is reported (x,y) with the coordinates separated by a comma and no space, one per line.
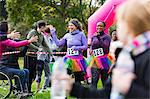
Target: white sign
(98,52)
(72,52)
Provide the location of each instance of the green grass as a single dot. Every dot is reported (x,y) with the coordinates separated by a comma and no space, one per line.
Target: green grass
(44,95)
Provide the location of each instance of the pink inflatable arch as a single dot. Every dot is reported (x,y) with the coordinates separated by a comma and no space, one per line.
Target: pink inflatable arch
(105,13)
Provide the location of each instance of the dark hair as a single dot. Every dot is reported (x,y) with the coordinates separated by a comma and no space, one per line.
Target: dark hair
(34,26)
(76,23)
(47,30)
(41,23)
(4,26)
(103,23)
(112,32)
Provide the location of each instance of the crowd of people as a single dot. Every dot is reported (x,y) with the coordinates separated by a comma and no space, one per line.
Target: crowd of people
(121,60)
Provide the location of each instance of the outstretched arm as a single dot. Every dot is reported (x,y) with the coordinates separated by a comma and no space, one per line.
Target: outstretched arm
(57,41)
(15,44)
(19,44)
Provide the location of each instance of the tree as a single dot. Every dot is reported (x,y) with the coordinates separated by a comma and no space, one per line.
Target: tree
(23,12)
(55,12)
(3,12)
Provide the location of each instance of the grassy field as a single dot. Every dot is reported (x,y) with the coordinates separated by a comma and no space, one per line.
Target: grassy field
(44,95)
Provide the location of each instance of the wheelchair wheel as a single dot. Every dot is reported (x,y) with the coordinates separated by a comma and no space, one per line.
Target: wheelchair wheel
(5,85)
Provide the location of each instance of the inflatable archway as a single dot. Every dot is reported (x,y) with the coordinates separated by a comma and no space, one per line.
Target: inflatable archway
(105,13)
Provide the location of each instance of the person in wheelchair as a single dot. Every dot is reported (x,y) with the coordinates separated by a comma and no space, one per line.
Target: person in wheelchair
(9,61)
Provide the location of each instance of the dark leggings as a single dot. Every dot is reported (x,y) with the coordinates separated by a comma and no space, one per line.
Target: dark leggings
(79,76)
(30,64)
(95,76)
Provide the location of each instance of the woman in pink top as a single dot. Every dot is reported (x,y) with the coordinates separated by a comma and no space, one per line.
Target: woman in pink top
(7,69)
(8,42)
(4,37)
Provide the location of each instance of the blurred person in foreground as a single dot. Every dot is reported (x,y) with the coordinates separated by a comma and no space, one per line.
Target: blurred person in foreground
(132,79)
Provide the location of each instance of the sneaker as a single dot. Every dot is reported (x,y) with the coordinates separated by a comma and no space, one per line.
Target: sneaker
(44,90)
(30,94)
(23,95)
(37,91)
(48,89)
(41,91)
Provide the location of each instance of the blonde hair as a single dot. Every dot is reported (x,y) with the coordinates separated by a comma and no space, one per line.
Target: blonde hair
(136,14)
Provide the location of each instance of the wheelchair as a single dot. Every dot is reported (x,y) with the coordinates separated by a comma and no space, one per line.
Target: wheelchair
(7,86)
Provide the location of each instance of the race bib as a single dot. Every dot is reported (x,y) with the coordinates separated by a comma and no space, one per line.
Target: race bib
(98,52)
(72,52)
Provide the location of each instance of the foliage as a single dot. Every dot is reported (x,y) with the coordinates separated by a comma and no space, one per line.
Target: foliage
(23,13)
(56,12)
(112,28)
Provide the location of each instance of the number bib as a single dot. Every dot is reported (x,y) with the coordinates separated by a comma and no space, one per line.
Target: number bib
(98,52)
(72,52)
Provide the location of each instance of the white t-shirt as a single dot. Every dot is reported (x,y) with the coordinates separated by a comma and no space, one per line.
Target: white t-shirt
(113,46)
(50,42)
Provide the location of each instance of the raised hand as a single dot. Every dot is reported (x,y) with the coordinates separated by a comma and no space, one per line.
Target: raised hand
(14,35)
(90,52)
(95,34)
(33,39)
(53,30)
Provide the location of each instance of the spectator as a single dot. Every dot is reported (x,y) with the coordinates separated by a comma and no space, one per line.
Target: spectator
(5,65)
(31,57)
(115,43)
(46,61)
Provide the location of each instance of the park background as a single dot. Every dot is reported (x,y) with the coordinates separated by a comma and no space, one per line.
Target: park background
(21,14)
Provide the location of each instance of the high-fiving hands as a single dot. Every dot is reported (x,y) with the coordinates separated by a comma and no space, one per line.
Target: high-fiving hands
(33,39)
(14,35)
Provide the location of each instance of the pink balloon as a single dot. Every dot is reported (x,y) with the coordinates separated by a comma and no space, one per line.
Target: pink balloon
(105,13)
